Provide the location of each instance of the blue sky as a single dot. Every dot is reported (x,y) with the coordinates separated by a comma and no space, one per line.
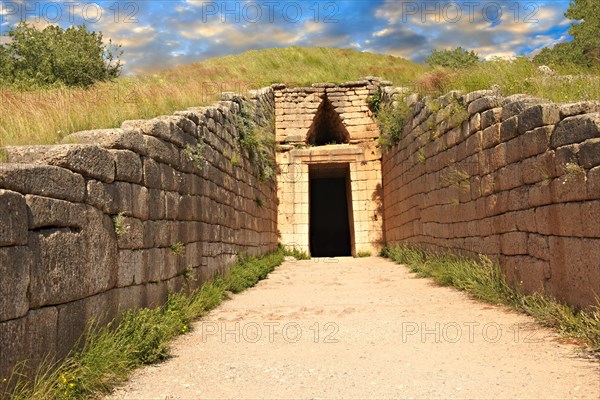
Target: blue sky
(160,34)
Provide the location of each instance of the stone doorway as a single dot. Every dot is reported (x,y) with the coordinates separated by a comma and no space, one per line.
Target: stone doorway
(330,210)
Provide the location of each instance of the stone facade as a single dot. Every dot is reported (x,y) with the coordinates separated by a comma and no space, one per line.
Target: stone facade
(117,218)
(320,127)
(516,178)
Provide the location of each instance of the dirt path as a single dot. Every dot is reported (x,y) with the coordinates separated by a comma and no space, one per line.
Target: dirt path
(364,328)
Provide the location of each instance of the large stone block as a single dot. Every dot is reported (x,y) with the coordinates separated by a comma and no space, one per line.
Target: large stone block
(71,265)
(575,270)
(30,339)
(589,153)
(131,268)
(576,130)
(110,139)
(88,160)
(128,166)
(45,212)
(15,266)
(43,180)
(13,219)
(537,116)
(75,317)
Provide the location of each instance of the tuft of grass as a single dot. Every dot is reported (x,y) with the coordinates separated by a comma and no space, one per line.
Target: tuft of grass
(178,249)
(421,156)
(119,223)
(456,178)
(106,355)
(259,201)
(296,253)
(573,170)
(391,122)
(363,254)
(483,279)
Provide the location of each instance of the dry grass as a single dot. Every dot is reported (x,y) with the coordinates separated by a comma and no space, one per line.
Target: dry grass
(45,116)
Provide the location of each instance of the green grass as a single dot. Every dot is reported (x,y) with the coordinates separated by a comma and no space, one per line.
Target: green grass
(296,253)
(363,254)
(483,279)
(107,354)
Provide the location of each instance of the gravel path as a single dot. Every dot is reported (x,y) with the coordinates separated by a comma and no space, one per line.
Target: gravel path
(364,328)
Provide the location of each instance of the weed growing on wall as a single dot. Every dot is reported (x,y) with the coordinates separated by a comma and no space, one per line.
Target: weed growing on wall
(178,249)
(295,252)
(456,178)
(258,140)
(391,121)
(195,154)
(390,117)
(119,223)
(483,278)
(106,355)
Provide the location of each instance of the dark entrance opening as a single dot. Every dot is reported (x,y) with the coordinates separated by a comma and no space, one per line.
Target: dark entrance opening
(330,215)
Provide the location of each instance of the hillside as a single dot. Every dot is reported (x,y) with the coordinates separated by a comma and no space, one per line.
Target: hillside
(47,115)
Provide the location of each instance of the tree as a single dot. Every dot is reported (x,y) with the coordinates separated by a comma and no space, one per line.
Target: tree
(456,58)
(73,57)
(584,49)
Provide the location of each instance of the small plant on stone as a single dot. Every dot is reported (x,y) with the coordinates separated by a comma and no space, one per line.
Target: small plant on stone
(374,102)
(363,254)
(119,223)
(573,170)
(421,156)
(235,159)
(296,253)
(178,249)
(195,154)
(456,178)
(455,201)
(259,202)
(391,122)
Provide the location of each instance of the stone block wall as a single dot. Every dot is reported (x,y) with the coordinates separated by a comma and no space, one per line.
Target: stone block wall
(517,178)
(117,218)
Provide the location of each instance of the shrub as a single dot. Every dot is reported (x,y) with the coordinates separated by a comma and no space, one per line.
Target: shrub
(71,57)
(456,58)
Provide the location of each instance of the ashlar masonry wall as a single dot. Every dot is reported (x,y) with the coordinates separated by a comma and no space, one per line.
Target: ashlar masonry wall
(517,178)
(117,218)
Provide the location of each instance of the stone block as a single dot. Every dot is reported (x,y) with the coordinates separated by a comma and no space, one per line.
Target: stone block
(576,129)
(538,116)
(509,129)
(70,265)
(584,107)
(74,317)
(133,234)
(538,246)
(161,151)
(45,212)
(43,180)
(15,265)
(13,219)
(131,269)
(128,166)
(89,160)
(483,104)
(32,338)
(536,141)
(490,117)
(151,174)
(589,153)
(110,139)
